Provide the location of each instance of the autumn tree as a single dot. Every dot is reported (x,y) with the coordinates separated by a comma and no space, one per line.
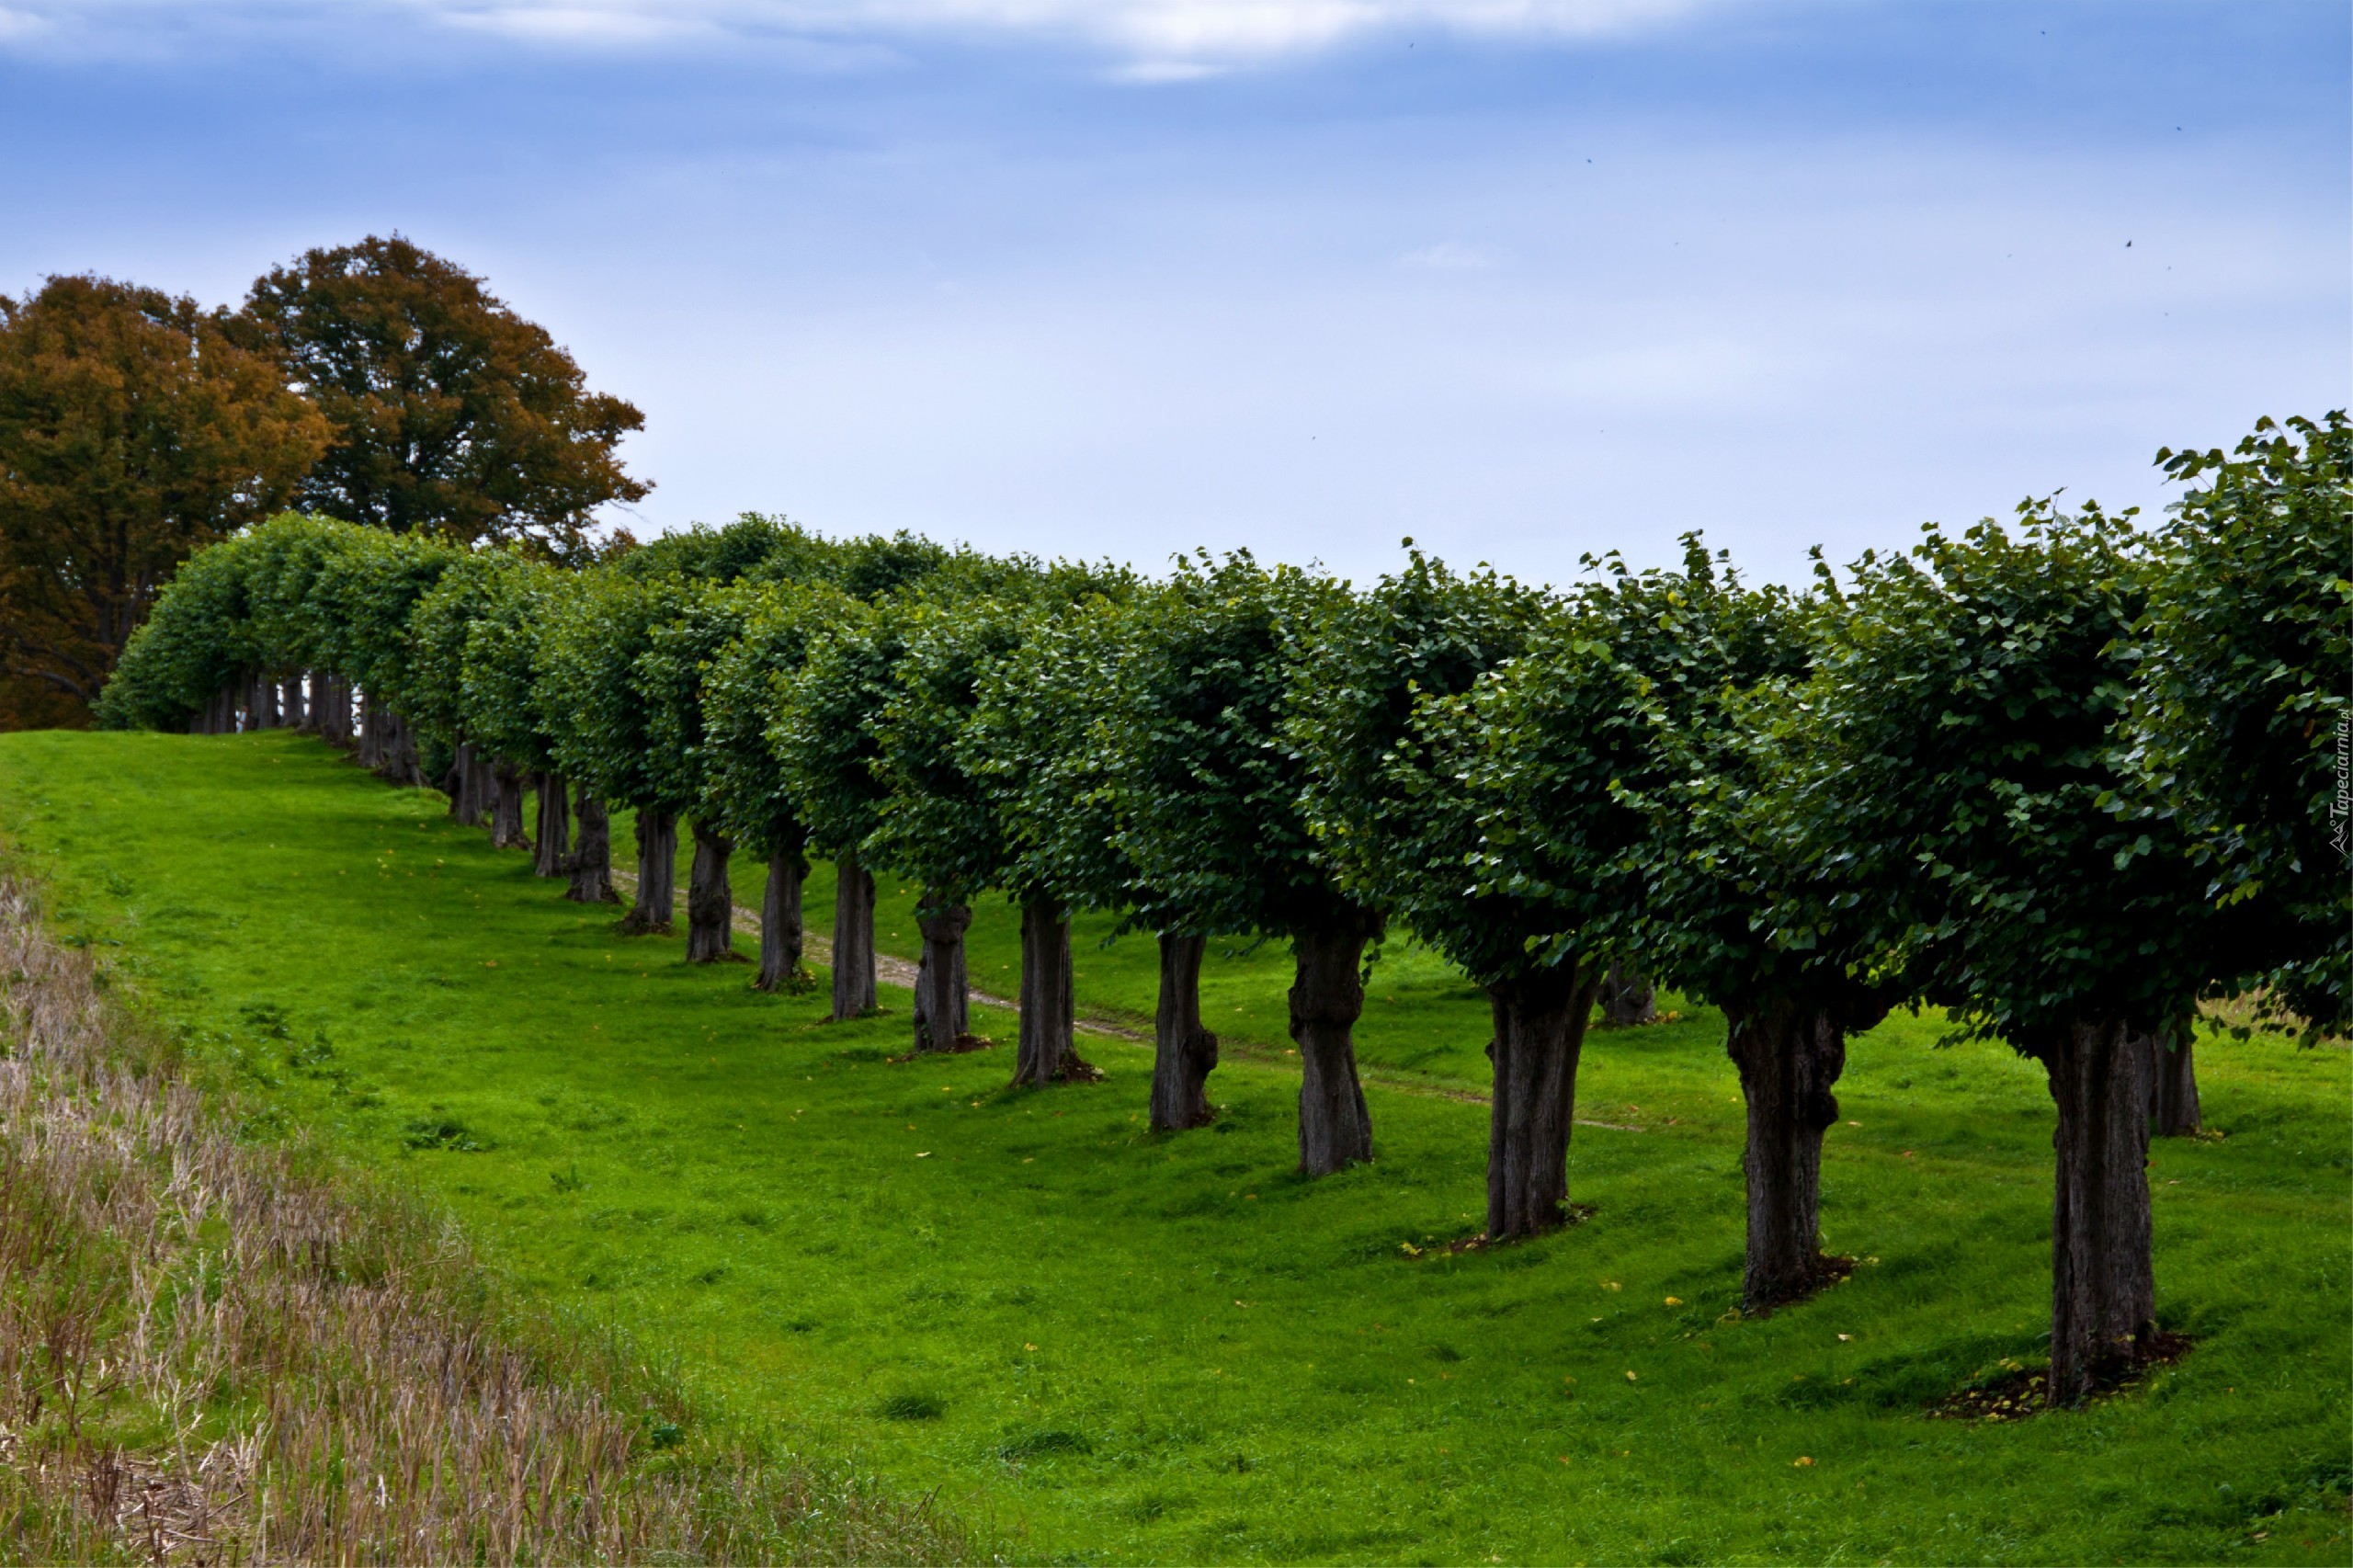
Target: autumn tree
(448,411)
(132,431)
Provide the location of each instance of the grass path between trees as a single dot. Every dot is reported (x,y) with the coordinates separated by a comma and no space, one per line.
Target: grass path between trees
(1107,1345)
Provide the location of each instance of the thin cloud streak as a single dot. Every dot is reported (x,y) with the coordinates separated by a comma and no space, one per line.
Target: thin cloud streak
(1153,41)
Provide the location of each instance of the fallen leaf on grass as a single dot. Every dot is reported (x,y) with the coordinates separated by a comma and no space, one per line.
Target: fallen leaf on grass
(925,1154)
(1802,1460)
(1675,1302)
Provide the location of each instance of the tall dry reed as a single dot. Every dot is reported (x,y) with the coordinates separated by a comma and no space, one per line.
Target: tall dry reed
(215,1350)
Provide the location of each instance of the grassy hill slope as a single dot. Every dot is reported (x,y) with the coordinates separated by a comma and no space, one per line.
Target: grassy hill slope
(1115,1346)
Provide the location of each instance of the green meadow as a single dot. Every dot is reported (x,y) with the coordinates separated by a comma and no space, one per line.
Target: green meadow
(1101,1345)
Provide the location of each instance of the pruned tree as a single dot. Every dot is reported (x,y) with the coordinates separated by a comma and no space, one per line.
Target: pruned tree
(936,822)
(439,629)
(1958,763)
(824,746)
(133,432)
(1387,810)
(2241,720)
(588,694)
(1739,920)
(671,677)
(744,791)
(1207,796)
(1042,741)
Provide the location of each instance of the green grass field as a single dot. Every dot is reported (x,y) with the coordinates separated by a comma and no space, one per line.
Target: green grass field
(1108,1345)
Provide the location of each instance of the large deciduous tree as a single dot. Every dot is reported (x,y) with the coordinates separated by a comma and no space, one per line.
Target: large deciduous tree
(132,431)
(449,413)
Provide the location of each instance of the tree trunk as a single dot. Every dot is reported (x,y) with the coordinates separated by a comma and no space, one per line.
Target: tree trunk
(943,996)
(853,938)
(555,827)
(506,809)
(261,702)
(396,760)
(711,902)
(1326,997)
(591,860)
(289,703)
(335,722)
(2103,1280)
(221,717)
(1049,1049)
(1789,1055)
(1183,1051)
(2173,1093)
(657,871)
(1627,997)
(1540,1022)
(465,802)
(780,910)
(371,731)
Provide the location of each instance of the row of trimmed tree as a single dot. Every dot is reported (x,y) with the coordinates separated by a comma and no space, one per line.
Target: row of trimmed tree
(2063,779)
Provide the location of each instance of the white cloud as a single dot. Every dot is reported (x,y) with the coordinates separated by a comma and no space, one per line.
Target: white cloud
(1157,41)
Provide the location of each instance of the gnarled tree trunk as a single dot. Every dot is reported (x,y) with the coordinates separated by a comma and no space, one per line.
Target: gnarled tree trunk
(943,996)
(1326,998)
(555,826)
(711,901)
(591,860)
(290,703)
(657,871)
(853,938)
(2173,1084)
(1789,1054)
(1048,1049)
(506,809)
(1539,1021)
(780,928)
(2103,1278)
(1627,997)
(1183,1053)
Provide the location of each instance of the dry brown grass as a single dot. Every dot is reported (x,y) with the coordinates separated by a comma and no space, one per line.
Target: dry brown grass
(217,1350)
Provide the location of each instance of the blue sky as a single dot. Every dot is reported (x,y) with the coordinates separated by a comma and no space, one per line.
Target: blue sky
(1522,279)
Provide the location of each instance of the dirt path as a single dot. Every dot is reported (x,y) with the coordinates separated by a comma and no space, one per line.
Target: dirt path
(892,970)
(900,973)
